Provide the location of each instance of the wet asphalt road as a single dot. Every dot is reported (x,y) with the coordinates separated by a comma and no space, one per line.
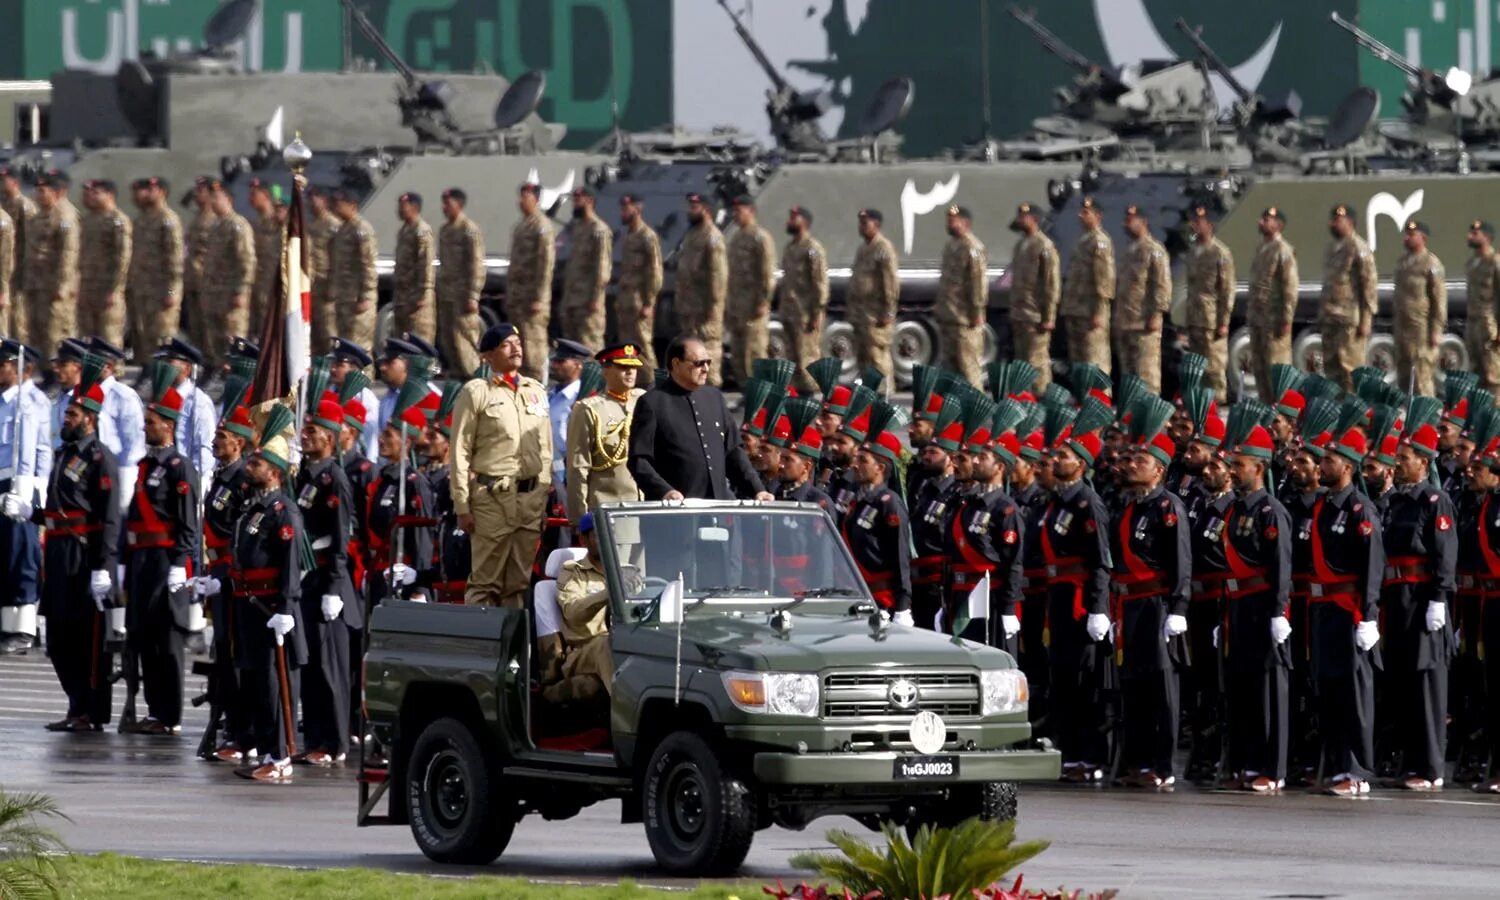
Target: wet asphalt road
(150,797)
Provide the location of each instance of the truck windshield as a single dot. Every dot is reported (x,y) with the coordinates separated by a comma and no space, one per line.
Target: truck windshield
(734,556)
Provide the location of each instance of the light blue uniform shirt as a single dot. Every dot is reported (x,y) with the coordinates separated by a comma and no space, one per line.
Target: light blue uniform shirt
(25,453)
(560,408)
(122,425)
(195,428)
(369,437)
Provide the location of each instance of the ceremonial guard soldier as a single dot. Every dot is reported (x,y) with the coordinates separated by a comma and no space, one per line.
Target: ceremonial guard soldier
(876,528)
(399,536)
(1302,498)
(931,509)
(193,430)
(1477,616)
(1031,487)
(985,531)
(1208,505)
(801,447)
(449,577)
(837,478)
(598,439)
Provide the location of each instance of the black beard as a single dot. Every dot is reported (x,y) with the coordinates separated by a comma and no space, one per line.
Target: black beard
(952,232)
(73,434)
(695,218)
(577,212)
(794,231)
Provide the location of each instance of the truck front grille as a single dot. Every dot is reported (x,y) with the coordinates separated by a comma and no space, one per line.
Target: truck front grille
(900,694)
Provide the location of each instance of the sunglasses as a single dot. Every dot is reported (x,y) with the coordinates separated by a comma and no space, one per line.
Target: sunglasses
(699,363)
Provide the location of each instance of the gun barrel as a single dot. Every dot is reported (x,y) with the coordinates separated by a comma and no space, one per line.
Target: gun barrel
(373,35)
(1213,61)
(755,50)
(1051,42)
(1380,51)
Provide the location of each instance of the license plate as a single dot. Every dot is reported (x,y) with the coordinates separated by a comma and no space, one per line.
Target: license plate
(925,768)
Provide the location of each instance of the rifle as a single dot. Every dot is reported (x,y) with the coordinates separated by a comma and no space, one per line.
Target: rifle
(130,671)
(213,695)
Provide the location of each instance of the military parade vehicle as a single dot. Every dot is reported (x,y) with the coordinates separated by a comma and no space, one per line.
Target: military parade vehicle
(756,683)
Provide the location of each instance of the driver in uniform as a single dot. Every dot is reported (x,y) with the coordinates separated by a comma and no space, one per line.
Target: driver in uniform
(583,597)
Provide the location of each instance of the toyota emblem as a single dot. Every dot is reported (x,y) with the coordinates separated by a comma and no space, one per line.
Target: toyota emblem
(902,693)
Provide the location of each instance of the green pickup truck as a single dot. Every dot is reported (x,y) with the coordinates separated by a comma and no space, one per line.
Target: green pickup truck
(755,684)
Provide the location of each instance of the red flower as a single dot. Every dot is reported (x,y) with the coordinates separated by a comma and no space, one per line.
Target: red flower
(182,487)
(287,532)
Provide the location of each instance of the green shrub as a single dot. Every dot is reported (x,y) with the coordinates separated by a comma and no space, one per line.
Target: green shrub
(28,850)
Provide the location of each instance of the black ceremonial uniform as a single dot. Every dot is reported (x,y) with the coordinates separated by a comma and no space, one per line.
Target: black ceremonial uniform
(1152,579)
(879,536)
(325,503)
(1421,558)
(82,517)
(842,490)
(929,533)
(448,577)
(1201,684)
(1257,544)
(1478,581)
(1033,644)
(382,519)
(161,530)
(796,569)
(227,496)
(361,473)
(985,532)
(1302,730)
(267,580)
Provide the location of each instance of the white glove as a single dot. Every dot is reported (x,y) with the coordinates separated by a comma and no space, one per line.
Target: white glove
(1097,626)
(99,587)
(1281,629)
(903,617)
(206,586)
(1216,636)
(1011,625)
(1174,626)
(1366,635)
(116,619)
(176,578)
(14,506)
(403,575)
(1437,615)
(333,604)
(282,624)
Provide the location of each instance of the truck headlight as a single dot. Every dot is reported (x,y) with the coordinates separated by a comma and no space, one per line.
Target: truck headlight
(773,693)
(1003,691)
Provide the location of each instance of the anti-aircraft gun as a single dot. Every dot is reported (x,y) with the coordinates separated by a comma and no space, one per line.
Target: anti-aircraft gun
(1268,126)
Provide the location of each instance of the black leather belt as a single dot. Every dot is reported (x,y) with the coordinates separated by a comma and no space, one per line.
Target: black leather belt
(506,483)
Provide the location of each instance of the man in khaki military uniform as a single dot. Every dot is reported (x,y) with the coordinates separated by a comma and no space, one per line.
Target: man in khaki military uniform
(1089,289)
(528,282)
(591,248)
(702,281)
(269,234)
(1035,287)
(1346,314)
(1481,329)
(962,296)
(321,226)
(228,277)
(460,281)
(412,295)
(153,289)
(104,263)
(639,281)
(352,279)
(874,297)
(752,287)
(1272,301)
(7,268)
(20,208)
(502,455)
(52,241)
(1210,299)
(587,668)
(599,436)
(1143,297)
(199,238)
(1421,310)
(802,296)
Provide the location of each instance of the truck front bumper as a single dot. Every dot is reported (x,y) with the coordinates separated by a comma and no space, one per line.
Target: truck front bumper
(878,768)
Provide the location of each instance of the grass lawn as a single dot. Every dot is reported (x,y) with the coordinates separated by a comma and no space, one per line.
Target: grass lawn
(115,877)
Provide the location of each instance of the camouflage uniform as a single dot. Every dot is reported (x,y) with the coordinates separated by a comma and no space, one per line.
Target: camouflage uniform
(1087,293)
(874,295)
(412,294)
(7,269)
(228,273)
(460,280)
(51,277)
(528,288)
(1210,303)
(585,278)
(320,232)
(752,285)
(1272,303)
(1481,331)
(104,261)
(1349,301)
(803,302)
(352,280)
(1035,288)
(153,290)
(20,209)
(200,239)
(961,300)
(268,237)
(635,295)
(702,278)
(1421,314)
(1143,290)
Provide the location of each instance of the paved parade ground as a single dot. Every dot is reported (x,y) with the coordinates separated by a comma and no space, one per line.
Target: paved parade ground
(150,797)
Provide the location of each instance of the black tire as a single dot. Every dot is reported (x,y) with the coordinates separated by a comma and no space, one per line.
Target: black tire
(699,817)
(992,801)
(454,800)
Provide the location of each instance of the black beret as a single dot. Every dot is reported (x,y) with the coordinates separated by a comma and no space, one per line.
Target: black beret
(497,336)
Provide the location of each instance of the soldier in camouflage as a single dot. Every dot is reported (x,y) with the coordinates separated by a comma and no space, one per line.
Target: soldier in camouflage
(153,288)
(104,262)
(802,297)
(1143,296)
(586,276)
(199,237)
(321,226)
(1035,289)
(412,293)
(228,278)
(1272,301)
(1421,310)
(1210,299)
(7,268)
(752,285)
(1349,302)
(352,279)
(20,208)
(528,282)
(1089,289)
(640,279)
(702,278)
(873,297)
(962,297)
(1481,330)
(52,237)
(460,281)
(268,237)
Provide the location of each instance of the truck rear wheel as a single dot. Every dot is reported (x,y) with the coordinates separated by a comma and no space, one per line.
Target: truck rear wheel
(700,818)
(457,810)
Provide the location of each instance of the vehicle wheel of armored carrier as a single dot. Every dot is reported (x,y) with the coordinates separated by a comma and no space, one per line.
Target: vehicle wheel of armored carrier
(1307,351)
(700,818)
(911,345)
(1452,354)
(1237,370)
(989,349)
(778,345)
(1381,353)
(453,796)
(838,340)
(994,801)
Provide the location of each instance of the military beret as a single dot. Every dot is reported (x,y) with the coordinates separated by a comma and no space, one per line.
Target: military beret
(260,184)
(1091,203)
(412,197)
(314,190)
(1134,211)
(741,200)
(458,194)
(1482,226)
(55,178)
(1025,209)
(630,200)
(695,197)
(106,185)
(1412,226)
(583,190)
(207,181)
(586,523)
(341,195)
(348,351)
(105,349)
(531,188)
(424,346)
(496,336)
(177,348)
(961,211)
(803,212)
(71,349)
(562,348)
(1342,209)
(874,215)
(1274,212)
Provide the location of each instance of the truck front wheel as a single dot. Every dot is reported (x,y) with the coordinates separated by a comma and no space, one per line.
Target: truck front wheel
(700,818)
(457,811)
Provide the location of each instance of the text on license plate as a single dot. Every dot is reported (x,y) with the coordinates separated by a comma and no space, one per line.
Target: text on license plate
(925,768)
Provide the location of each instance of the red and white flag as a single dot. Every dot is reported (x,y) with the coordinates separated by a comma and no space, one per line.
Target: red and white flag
(285,338)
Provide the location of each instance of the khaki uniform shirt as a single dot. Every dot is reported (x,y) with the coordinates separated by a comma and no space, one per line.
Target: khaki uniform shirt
(591,249)
(804,279)
(702,269)
(1349,287)
(352,276)
(1482,316)
(1090,285)
(1273,284)
(499,430)
(7,251)
(104,254)
(640,267)
(874,281)
(199,241)
(20,208)
(532,256)
(1036,282)
(269,234)
(412,279)
(1210,285)
(1421,296)
(460,277)
(52,238)
(597,453)
(229,266)
(320,232)
(583,598)
(156,256)
(961,295)
(752,271)
(1144,285)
